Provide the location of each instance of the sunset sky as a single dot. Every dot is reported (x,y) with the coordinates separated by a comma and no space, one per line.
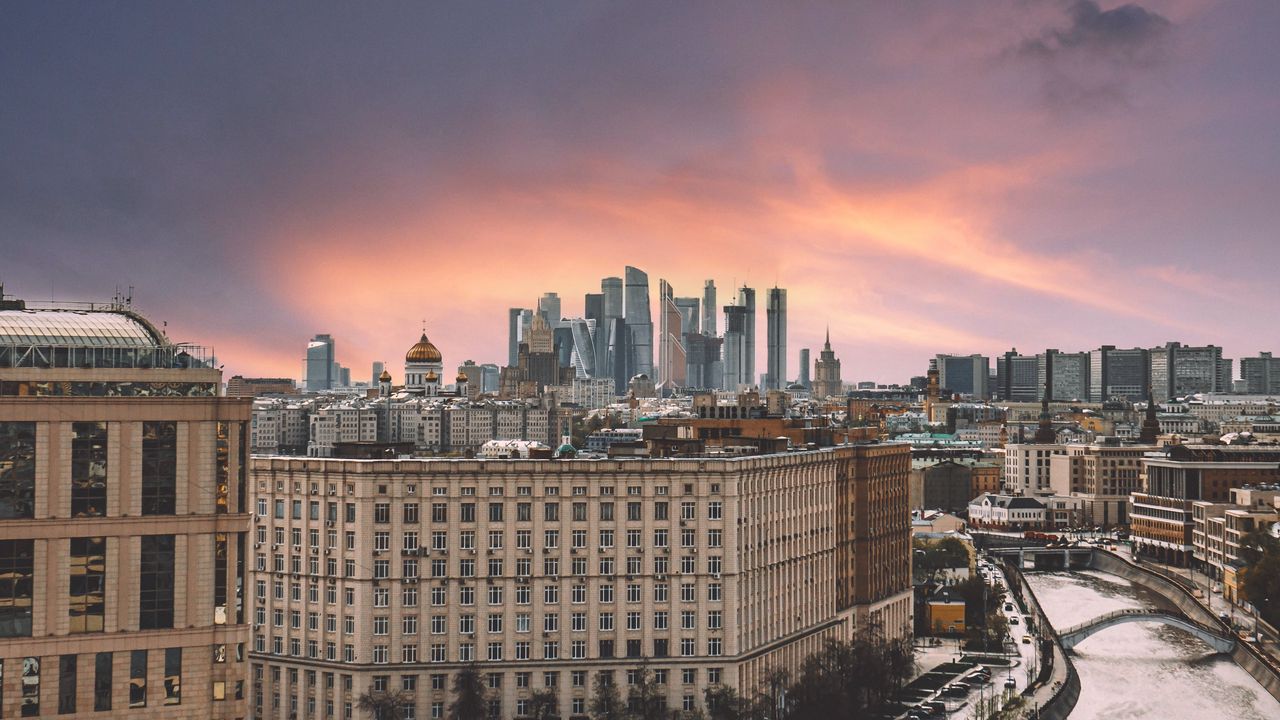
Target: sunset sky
(924,177)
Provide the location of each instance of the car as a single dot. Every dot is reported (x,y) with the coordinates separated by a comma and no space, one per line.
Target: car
(1011,683)
(1217,588)
(1013,619)
(1224,617)
(1008,607)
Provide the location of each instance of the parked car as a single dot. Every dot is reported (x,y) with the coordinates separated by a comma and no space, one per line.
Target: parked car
(1011,683)
(1013,620)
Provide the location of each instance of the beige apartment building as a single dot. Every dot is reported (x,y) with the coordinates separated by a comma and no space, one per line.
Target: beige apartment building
(122,521)
(394,574)
(1100,477)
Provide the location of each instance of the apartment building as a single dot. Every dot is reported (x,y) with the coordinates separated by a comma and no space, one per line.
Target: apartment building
(397,573)
(122,520)
(1219,529)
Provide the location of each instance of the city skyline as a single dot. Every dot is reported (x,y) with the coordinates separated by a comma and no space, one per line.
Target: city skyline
(991,168)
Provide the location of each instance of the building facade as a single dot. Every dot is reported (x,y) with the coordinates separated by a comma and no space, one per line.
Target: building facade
(549,573)
(776,339)
(123,521)
(1161,517)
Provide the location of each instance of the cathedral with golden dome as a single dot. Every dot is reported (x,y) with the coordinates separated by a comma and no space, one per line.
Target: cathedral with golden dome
(423,366)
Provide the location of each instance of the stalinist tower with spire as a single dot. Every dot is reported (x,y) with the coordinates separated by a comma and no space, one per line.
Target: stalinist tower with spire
(826,373)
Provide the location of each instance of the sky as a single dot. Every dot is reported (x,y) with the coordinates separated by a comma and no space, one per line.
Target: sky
(923,177)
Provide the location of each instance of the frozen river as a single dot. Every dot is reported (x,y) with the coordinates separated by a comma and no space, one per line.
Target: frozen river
(1141,670)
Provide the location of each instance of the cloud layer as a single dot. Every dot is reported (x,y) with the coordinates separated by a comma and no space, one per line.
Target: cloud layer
(924,178)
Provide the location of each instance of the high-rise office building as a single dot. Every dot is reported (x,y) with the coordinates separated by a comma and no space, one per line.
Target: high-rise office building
(671,351)
(1118,373)
(747,300)
(639,322)
(690,314)
(515,333)
(124,521)
(735,348)
(1177,370)
(704,369)
(549,308)
(619,351)
(378,367)
(804,368)
(1018,377)
(826,373)
(967,375)
(776,338)
(320,364)
(584,346)
(1067,375)
(709,308)
(1261,374)
(593,312)
(611,364)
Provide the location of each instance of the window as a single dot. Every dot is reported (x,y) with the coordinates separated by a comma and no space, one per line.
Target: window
(411,513)
(495,512)
(88,569)
(159,468)
(17,470)
(382,512)
(102,681)
(551,512)
(17,566)
(155,582)
(606,511)
(173,676)
(88,469)
(66,684)
(138,679)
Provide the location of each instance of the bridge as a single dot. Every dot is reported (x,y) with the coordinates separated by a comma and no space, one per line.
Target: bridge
(1076,634)
(1044,558)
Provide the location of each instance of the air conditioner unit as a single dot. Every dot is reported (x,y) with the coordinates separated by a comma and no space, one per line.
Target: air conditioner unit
(315,551)
(257,545)
(659,577)
(715,576)
(333,493)
(573,551)
(546,551)
(377,552)
(522,580)
(328,523)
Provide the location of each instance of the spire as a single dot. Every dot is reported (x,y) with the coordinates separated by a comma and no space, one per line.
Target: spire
(827,346)
(1151,425)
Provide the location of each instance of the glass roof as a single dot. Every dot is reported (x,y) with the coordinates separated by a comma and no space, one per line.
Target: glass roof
(75,328)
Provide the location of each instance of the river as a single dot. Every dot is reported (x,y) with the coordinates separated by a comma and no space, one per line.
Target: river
(1145,670)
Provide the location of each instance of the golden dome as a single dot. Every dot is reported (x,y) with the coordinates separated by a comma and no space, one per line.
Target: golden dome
(431,376)
(462,377)
(384,377)
(424,351)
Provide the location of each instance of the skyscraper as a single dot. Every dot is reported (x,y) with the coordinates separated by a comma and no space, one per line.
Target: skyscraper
(612,307)
(320,364)
(735,347)
(776,337)
(378,367)
(747,300)
(1067,374)
(549,308)
(804,367)
(690,314)
(639,322)
(671,350)
(826,373)
(709,308)
(514,334)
